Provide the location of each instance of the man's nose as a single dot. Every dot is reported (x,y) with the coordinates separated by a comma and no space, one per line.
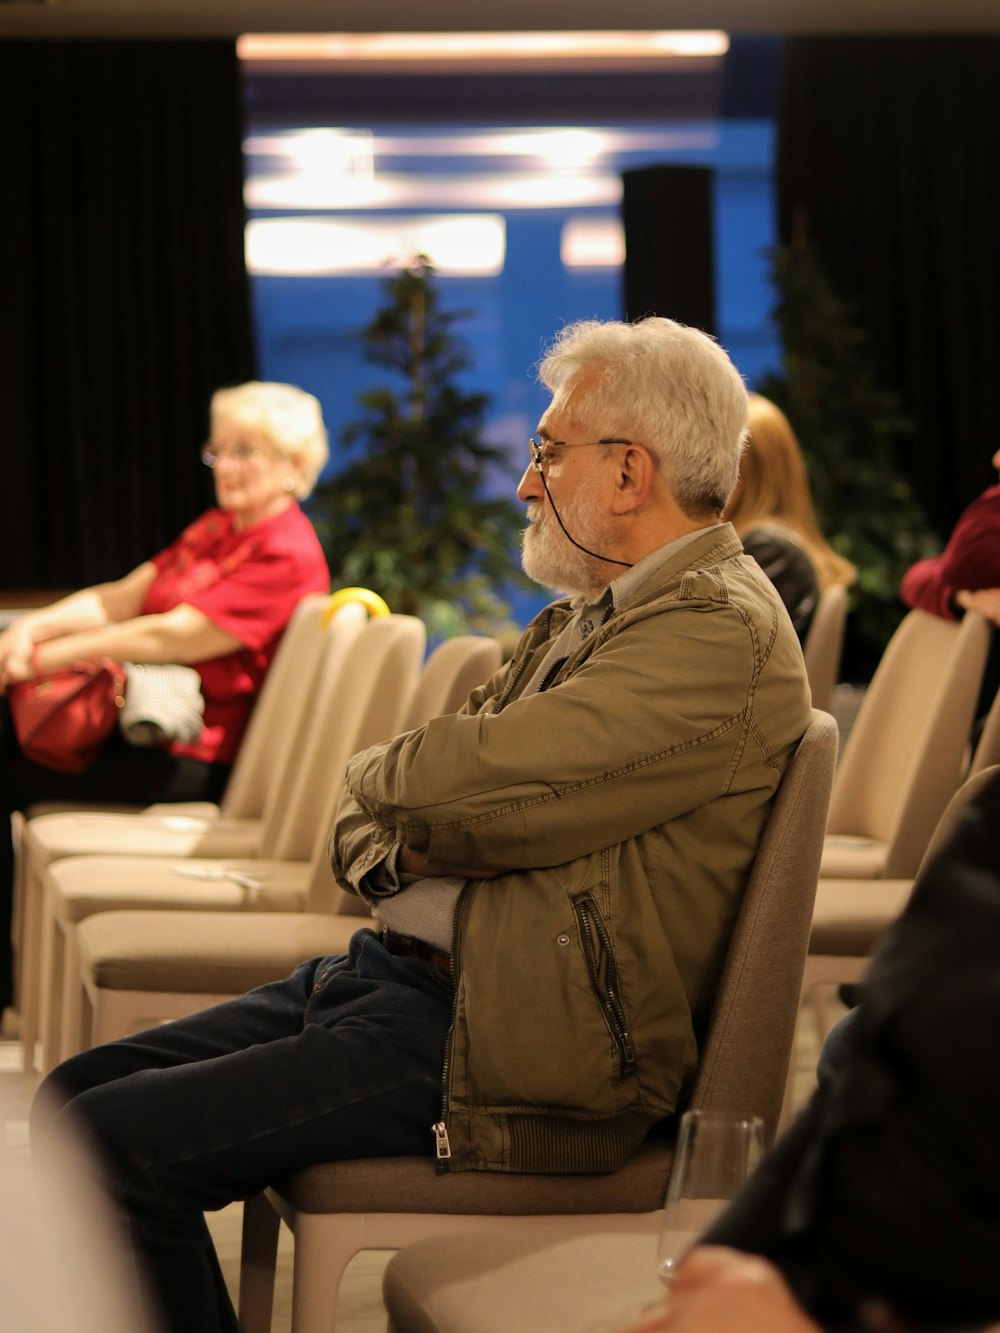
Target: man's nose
(530,486)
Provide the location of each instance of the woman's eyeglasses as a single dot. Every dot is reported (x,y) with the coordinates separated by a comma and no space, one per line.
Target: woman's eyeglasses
(242,455)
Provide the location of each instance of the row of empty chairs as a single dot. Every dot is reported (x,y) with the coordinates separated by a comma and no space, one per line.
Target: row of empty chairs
(907,754)
(136,967)
(336,689)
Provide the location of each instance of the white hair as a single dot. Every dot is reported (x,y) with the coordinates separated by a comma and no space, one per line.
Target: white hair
(664,385)
(289,419)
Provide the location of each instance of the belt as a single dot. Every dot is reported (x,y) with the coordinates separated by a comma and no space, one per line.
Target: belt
(405,946)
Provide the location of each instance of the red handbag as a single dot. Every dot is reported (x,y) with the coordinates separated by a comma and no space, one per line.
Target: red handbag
(62,718)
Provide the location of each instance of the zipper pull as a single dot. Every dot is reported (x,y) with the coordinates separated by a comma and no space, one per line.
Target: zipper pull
(442,1148)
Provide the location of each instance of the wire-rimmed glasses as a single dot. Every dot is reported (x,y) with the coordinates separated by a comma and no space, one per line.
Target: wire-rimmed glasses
(542,451)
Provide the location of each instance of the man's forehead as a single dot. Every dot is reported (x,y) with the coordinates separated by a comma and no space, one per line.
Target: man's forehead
(560,417)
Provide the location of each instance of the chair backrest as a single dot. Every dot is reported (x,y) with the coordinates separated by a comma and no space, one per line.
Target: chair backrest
(824,644)
(903,758)
(968,791)
(987,751)
(450,674)
(745,1059)
(359,702)
(276,712)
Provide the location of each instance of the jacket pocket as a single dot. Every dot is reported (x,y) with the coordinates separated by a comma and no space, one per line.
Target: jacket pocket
(595,941)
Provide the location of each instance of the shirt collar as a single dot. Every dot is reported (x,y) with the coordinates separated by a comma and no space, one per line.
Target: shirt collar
(590,614)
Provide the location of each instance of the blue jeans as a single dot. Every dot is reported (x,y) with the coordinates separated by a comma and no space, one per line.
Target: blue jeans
(342,1059)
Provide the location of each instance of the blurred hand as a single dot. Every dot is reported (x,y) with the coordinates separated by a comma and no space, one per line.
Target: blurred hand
(984,600)
(415,863)
(15,655)
(718,1290)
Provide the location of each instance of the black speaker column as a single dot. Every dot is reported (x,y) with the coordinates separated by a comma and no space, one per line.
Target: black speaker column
(669,262)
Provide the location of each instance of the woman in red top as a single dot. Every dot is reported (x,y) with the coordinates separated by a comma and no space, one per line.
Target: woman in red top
(217,599)
(966,575)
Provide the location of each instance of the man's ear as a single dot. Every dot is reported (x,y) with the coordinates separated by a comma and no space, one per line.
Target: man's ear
(633,479)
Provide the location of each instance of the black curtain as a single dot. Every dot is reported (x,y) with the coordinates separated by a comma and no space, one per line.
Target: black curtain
(123,296)
(888,153)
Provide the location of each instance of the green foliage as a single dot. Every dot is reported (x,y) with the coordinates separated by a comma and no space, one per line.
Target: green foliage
(410,514)
(853,435)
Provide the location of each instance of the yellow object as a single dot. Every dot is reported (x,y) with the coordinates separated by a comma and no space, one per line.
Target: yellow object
(375,605)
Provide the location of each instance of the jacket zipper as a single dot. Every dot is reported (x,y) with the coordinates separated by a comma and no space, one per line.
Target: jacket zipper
(607,995)
(515,676)
(442,1144)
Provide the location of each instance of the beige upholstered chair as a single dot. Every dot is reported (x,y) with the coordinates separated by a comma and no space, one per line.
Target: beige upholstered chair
(358,701)
(987,751)
(824,645)
(254,785)
(337,1209)
(904,757)
(851,916)
(136,967)
(454,669)
(477,1282)
(308,655)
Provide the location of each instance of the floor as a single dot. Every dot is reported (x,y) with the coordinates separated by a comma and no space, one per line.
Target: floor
(360,1308)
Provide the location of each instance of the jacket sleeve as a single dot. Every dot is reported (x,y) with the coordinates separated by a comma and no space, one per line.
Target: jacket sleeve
(637,735)
(970,561)
(359,843)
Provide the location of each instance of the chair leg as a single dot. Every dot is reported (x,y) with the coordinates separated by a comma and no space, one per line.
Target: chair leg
(318,1265)
(17,822)
(50,992)
(258,1263)
(72,1033)
(30,966)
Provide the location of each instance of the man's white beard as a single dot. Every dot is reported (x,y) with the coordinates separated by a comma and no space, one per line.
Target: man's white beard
(551,560)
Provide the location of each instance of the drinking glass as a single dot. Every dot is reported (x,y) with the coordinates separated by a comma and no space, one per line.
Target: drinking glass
(716,1154)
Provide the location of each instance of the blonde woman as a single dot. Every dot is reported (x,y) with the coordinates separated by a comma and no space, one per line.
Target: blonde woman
(772,511)
(217,599)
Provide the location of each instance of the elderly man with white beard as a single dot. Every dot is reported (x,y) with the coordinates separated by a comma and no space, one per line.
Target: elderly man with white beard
(555,868)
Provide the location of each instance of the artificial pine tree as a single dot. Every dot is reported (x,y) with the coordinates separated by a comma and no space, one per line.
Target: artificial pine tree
(412,517)
(850,429)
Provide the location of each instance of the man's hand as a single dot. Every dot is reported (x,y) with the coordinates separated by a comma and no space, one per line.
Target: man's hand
(415,863)
(717,1290)
(984,600)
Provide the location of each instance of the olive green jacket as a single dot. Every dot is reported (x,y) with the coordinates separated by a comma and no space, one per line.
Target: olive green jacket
(624,803)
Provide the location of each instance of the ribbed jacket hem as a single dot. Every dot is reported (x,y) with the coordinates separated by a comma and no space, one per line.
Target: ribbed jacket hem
(547,1143)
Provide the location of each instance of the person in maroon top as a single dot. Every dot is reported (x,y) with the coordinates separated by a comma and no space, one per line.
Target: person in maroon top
(966,575)
(216,599)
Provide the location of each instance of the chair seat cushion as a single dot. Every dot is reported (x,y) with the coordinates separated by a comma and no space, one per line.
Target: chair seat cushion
(205,953)
(412,1185)
(473,1283)
(849,857)
(851,915)
(80,886)
(86,833)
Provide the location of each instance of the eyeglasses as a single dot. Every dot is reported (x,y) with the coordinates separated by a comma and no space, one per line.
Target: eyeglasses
(543,451)
(212,455)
